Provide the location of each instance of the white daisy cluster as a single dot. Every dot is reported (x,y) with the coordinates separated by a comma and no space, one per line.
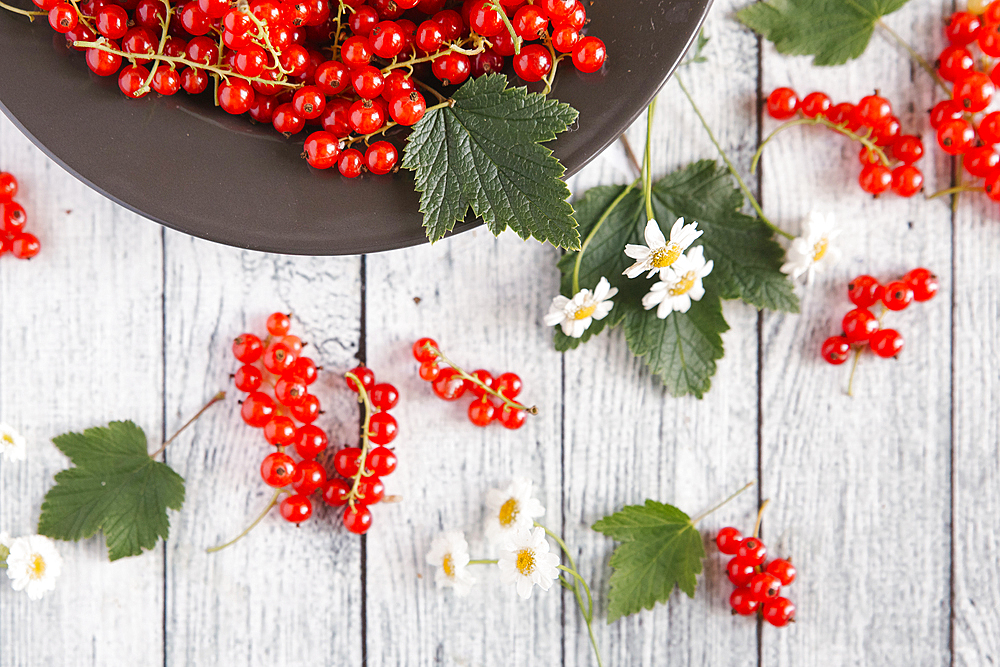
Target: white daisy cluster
(680,274)
(32,563)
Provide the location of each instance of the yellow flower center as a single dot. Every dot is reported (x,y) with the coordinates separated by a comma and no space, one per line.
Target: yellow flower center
(448,565)
(665,256)
(525,561)
(684,285)
(819,250)
(7,439)
(584,312)
(508,512)
(37,568)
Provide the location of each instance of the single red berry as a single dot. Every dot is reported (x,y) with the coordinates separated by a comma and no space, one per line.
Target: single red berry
(753,550)
(836,350)
(564,40)
(296,509)
(973,91)
(576,19)
(384,396)
(235,96)
(782,103)
(365,116)
(955,136)
(350,163)
(449,385)
(507,385)
(257,409)
(989,128)
(381,158)
(332,78)
(452,69)
(363,20)
(859,324)
(370,491)
(278,324)
(382,428)
(875,179)
(247,378)
(962,28)
(166,80)
(289,391)
(483,376)
(131,81)
(954,63)
(358,519)
(347,462)
(815,104)
(293,343)
(779,612)
(945,111)
(728,540)
(589,55)
(381,461)
(277,358)
(429,37)
(12,217)
(425,349)
(764,586)
(872,110)
(558,8)
(397,82)
(63,17)
(782,569)
(24,245)
(908,148)
(194,81)
(251,60)
(8,187)
(988,39)
(486,20)
(335,492)
(280,431)
(511,417)
(867,156)
(864,291)
(322,149)
(740,571)
(980,161)
(530,22)
(841,114)
(992,185)
(247,348)
(304,370)
(482,412)
(897,295)
(367,81)
(311,441)
(308,410)
(923,283)
(277,470)
(407,108)
(887,343)
(429,371)
(886,132)
(309,477)
(365,375)
(742,602)
(907,180)
(387,39)
(215,9)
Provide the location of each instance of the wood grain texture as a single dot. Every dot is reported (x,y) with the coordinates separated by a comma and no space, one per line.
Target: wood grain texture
(860,487)
(80,344)
(282,595)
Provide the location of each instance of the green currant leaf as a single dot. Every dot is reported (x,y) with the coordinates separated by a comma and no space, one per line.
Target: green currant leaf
(115,487)
(660,549)
(486,152)
(833,31)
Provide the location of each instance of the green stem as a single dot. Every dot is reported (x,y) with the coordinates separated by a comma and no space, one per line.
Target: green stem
(510,28)
(715,507)
(164,27)
(533,410)
(919,59)
(483,561)
(863,139)
(954,190)
(365,443)
(854,367)
(551,76)
(732,169)
(760,517)
(215,399)
(274,501)
(23,12)
(590,236)
(452,48)
(647,161)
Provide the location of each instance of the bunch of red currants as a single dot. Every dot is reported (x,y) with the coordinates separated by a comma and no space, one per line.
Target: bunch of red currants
(13,238)
(757,585)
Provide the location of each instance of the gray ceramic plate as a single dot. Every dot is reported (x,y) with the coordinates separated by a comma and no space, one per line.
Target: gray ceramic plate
(193,168)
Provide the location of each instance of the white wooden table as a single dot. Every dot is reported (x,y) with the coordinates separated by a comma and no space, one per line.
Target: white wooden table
(887,501)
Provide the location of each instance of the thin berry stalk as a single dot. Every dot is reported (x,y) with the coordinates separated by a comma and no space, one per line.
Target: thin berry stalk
(863,139)
(452,48)
(533,410)
(215,399)
(164,26)
(23,12)
(551,76)
(712,509)
(392,124)
(495,4)
(760,516)
(270,505)
(365,442)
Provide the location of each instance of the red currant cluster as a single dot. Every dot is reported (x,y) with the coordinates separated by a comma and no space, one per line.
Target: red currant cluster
(277,363)
(267,57)
(973,42)
(757,584)
(493,398)
(361,469)
(861,327)
(871,123)
(13,238)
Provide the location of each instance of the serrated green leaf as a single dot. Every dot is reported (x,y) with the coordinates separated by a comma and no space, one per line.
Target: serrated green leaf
(115,487)
(660,549)
(485,152)
(833,31)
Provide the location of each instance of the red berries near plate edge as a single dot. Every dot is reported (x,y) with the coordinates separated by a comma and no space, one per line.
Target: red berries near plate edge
(863,328)
(13,238)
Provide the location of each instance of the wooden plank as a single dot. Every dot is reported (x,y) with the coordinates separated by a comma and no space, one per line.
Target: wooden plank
(860,487)
(483,301)
(80,344)
(627,440)
(282,595)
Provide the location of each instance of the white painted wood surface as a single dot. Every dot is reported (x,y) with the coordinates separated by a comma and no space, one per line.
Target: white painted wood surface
(886,502)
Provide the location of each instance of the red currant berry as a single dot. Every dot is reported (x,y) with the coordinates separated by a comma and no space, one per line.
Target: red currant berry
(365,375)
(482,412)
(989,128)
(451,24)
(589,55)
(247,378)
(484,377)
(356,52)
(277,358)
(887,343)
(332,77)
(897,295)
(992,185)
(740,571)
(782,103)
(12,217)
(907,180)
(429,37)
(452,69)
(347,462)
(357,519)
(954,63)
(867,156)
(563,39)
(558,8)
(875,179)
(308,410)
(257,409)
(8,187)
(350,163)
(779,612)
(530,23)
(111,21)
(370,491)
(215,9)
(872,110)
(381,461)
(742,602)
(310,442)
(397,82)
(486,20)
(382,428)
(335,492)
(309,477)
(303,370)
(277,470)
(511,418)
(945,111)
(131,80)
(166,80)
(425,349)
(194,81)
(980,161)
(296,509)
(764,586)
(955,136)
(262,109)
(280,431)
(63,17)
(864,291)
(859,324)
(235,96)
(728,540)
(886,132)
(289,391)
(783,570)
(508,385)
(534,62)
(408,108)
(576,19)
(840,114)
(962,28)
(381,158)
(429,371)
(923,283)
(278,324)
(815,104)
(365,116)
(836,350)
(384,396)
(247,348)
(989,39)
(363,20)
(387,40)
(449,385)
(367,82)
(753,550)
(973,91)
(24,245)
(309,102)
(908,148)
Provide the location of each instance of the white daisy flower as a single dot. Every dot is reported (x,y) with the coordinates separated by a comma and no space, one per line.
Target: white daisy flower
(33,565)
(679,285)
(525,561)
(450,555)
(13,446)
(511,509)
(658,253)
(576,315)
(812,253)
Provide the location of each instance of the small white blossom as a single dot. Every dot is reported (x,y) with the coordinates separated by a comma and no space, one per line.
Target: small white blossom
(658,253)
(812,252)
(576,315)
(525,561)
(450,555)
(13,446)
(679,285)
(33,565)
(511,509)
(5,539)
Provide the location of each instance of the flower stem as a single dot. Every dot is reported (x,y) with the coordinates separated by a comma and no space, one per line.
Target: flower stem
(729,164)
(863,139)
(274,501)
(719,505)
(647,173)
(23,12)
(954,190)
(760,515)
(484,561)
(593,232)
(215,399)
(533,410)
(854,367)
(917,58)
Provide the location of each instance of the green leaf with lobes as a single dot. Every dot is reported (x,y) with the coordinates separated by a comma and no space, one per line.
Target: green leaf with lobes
(833,31)
(485,152)
(115,487)
(660,549)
